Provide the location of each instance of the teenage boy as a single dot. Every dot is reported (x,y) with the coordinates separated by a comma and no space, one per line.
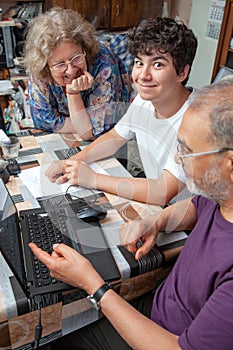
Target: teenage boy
(164,50)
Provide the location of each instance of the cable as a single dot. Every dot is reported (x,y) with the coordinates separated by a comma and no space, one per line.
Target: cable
(80,191)
(39,327)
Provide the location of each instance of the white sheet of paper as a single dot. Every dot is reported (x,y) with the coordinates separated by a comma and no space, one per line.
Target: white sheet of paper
(40,186)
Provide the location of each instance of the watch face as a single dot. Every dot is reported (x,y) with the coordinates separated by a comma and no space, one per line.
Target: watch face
(95,304)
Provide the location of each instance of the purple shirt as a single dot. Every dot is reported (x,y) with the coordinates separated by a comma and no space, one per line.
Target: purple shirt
(196,300)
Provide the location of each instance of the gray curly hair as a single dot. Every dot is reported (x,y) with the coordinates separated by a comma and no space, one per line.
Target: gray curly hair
(46,31)
(216,100)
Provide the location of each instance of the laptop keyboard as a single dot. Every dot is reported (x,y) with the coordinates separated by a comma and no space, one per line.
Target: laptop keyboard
(45,232)
(61,199)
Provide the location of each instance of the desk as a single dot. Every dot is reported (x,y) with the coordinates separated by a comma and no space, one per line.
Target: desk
(59,318)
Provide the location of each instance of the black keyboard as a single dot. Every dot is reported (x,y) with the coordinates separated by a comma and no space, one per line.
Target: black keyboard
(67,152)
(49,202)
(46,230)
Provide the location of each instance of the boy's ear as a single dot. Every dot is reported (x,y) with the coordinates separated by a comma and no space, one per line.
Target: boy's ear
(183,75)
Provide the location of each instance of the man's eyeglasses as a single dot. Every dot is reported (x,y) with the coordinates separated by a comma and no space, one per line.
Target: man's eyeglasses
(182,154)
(75,61)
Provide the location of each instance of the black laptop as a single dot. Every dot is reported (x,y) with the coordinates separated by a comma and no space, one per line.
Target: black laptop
(45,228)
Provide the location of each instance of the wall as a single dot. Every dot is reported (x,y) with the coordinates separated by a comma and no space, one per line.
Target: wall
(204,61)
(194,13)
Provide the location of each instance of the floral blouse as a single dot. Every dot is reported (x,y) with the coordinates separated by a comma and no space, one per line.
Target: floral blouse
(48,102)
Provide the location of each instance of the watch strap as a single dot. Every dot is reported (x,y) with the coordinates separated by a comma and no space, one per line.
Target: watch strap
(101,291)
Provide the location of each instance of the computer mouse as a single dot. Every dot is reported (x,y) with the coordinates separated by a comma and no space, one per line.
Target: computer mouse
(91,213)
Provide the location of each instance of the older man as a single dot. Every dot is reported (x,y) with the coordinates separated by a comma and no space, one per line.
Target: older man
(193,308)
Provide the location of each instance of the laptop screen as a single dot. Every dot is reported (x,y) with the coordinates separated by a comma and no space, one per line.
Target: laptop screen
(6,205)
(10,244)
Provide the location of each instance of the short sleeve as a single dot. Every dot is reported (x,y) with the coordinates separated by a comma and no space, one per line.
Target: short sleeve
(212,327)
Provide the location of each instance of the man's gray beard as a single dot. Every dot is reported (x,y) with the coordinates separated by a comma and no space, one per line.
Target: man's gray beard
(211,185)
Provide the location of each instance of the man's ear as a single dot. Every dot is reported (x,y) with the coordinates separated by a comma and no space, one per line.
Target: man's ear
(230,165)
(183,75)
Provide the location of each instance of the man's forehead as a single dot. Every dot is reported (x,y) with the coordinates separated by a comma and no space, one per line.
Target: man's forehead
(187,119)
(194,126)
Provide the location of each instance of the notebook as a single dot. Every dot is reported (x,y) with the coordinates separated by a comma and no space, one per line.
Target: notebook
(18,229)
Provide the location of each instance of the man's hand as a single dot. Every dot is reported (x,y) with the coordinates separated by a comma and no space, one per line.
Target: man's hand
(67,265)
(144,230)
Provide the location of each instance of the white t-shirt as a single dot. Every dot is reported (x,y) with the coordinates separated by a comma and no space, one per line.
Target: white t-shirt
(156,138)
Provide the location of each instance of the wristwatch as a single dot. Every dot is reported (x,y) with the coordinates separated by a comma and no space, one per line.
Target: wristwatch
(94,299)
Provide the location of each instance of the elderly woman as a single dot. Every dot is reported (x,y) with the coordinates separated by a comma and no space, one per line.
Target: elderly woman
(74,78)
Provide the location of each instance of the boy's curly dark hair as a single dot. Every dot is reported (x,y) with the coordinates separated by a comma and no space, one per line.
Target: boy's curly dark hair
(167,36)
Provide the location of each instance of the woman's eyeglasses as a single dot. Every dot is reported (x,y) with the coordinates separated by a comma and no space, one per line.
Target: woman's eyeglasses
(75,61)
